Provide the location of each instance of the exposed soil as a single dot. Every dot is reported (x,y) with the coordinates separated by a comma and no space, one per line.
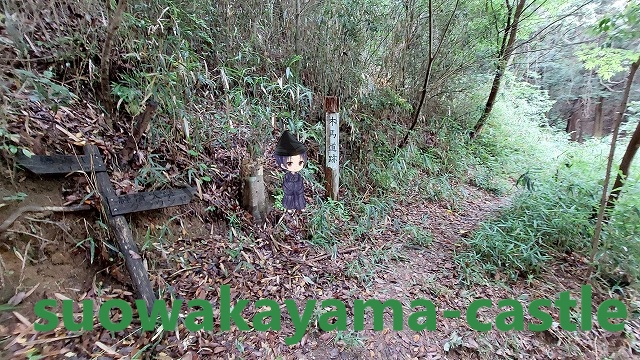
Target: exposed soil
(47,262)
(53,261)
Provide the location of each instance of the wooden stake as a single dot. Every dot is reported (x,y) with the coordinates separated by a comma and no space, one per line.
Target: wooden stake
(332,144)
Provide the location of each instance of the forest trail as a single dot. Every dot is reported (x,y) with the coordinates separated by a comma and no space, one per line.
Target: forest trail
(428,273)
(278,265)
(175,93)
(431,273)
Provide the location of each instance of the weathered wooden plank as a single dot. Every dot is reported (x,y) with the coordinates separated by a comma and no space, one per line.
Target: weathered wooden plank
(60,164)
(124,237)
(150,200)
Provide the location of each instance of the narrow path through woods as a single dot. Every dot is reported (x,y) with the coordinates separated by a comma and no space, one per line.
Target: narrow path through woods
(431,273)
(381,265)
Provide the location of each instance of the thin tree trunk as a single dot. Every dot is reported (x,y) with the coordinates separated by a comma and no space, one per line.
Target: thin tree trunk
(605,186)
(598,126)
(634,143)
(574,119)
(296,40)
(105,61)
(416,113)
(625,164)
(427,77)
(504,57)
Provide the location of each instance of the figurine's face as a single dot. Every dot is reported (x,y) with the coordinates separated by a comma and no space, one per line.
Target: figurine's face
(294,163)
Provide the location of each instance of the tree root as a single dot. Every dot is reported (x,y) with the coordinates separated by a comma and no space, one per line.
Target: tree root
(32,208)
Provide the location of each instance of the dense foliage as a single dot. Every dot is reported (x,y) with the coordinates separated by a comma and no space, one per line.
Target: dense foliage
(225,73)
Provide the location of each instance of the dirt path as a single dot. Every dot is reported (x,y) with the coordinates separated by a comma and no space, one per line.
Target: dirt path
(432,274)
(275,265)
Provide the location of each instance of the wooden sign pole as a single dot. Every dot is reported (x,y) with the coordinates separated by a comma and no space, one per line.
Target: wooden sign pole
(332,144)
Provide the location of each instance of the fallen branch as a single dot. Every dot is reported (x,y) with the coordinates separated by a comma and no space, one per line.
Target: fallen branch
(345,251)
(32,208)
(29,234)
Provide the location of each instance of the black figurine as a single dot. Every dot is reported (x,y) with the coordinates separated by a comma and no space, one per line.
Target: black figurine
(291,155)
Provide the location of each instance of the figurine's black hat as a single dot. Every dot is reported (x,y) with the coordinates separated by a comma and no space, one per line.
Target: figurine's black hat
(289,146)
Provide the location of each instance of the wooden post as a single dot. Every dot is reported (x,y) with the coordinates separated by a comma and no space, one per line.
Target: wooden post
(253,190)
(332,144)
(122,232)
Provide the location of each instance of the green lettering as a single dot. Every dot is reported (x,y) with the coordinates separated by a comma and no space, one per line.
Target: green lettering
(226,314)
(206,314)
(148,322)
(105,318)
(564,304)
(340,313)
(430,314)
(299,322)
(87,316)
(273,314)
(604,314)
(536,313)
(585,308)
(378,314)
(40,309)
(517,313)
(472,315)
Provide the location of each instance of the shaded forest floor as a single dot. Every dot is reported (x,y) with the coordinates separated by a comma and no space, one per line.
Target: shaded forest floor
(277,264)
(193,250)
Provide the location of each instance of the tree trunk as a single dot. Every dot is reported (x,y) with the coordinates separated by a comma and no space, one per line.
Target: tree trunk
(432,56)
(581,129)
(598,126)
(574,119)
(634,143)
(105,61)
(625,164)
(616,127)
(296,41)
(504,57)
(427,77)
(140,124)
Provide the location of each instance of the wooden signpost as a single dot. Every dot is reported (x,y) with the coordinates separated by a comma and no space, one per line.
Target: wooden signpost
(114,206)
(332,151)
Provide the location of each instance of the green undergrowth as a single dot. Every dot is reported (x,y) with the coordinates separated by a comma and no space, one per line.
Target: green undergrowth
(558,190)
(515,141)
(221,90)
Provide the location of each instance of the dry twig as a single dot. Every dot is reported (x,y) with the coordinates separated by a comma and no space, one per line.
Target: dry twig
(32,208)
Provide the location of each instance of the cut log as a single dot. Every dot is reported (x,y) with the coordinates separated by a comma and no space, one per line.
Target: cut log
(253,191)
